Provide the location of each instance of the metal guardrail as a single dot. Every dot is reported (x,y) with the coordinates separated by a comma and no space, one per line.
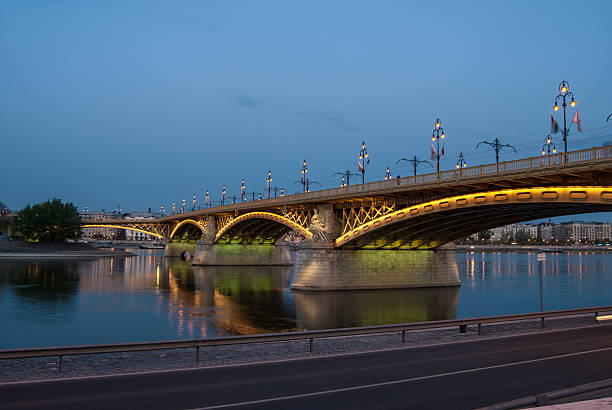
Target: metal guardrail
(310,335)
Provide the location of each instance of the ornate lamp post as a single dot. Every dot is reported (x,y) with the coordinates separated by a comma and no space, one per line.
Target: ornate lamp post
(173,208)
(549,146)
(436,136)
(242,190)
(207,199)
(193,203)
(388,174)
(268,182)
(304,180)
(223,191)
(564,93)
(363,155)
(461,163)
(183,207)
(415,163)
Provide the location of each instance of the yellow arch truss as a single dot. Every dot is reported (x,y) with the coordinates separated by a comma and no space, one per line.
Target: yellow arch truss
(551,195)
(186,221)
(265,215)
(127,228)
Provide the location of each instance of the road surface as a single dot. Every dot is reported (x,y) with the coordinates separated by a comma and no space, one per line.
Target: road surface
(460,375)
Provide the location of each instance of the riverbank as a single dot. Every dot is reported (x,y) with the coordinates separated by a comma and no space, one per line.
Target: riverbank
(530,248)
(22,249)
(45,368)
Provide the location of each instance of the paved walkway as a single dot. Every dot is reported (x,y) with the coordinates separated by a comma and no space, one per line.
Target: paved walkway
(599,404)
(118,363)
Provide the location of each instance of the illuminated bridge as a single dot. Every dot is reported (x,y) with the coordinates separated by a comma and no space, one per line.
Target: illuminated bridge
(351,234)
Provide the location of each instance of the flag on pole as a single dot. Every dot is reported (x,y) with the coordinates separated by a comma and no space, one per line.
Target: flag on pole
(360,166)
(433,152)
(577,121)
(554,127)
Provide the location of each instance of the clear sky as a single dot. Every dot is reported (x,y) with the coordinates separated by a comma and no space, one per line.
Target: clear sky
(144,103)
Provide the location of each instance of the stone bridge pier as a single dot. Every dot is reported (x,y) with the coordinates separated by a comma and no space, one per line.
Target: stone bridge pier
(321,266)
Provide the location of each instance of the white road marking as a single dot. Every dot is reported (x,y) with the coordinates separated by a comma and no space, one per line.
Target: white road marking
(392,382)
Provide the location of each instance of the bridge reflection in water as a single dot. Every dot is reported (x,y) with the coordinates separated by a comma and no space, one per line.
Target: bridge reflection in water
(316,310)
(149,297)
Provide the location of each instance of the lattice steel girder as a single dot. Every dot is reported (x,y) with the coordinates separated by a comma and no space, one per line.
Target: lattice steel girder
(159,230)
(530,203)
(352,218)
(244,226)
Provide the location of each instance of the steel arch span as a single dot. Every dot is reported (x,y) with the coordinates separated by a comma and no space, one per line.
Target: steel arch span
(183,224)
(258,227)
(124,227)
(431,224)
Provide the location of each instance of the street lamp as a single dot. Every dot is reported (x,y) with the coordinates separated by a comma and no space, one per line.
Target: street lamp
(173,208)
(415,163)
(223,191)
(304,180)
(461,163)
(193,204)
(243,190)
(268,182)
(363,154)
(549,146)
(388,174)
(183,207)
(497,146)
(437,135)
(564,93)
(207,199)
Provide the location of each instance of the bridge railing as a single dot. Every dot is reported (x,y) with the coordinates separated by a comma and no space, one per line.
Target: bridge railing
(559,160)
(502,168)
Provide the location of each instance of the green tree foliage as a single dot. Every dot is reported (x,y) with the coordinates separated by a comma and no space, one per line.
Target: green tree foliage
(48,221)
(4,219)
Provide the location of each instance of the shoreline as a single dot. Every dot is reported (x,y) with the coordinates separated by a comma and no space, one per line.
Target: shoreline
(27,250)
(531,248)
(102,364)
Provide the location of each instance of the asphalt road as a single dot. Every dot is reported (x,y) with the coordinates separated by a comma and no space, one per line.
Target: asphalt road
(452,376)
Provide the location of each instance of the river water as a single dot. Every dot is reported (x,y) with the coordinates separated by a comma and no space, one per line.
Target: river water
(148,297)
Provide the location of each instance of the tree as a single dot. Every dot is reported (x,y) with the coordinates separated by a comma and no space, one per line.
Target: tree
(48,221)
(4,218)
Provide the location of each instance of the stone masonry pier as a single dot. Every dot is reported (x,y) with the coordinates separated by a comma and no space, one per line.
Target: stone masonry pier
(325,268)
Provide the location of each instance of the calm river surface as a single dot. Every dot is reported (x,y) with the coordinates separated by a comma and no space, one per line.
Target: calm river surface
(148,297)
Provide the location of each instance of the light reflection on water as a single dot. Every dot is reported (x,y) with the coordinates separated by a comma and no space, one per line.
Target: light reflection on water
(149,297)
(496,283)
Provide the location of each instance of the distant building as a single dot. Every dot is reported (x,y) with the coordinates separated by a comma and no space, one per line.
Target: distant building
(566,232)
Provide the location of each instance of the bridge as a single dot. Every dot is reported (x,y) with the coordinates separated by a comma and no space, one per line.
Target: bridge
(353,233)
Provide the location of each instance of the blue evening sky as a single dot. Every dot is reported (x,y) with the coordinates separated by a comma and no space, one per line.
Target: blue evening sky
(144,103)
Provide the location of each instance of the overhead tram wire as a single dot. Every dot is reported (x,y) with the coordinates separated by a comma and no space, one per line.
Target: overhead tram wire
(530,148)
